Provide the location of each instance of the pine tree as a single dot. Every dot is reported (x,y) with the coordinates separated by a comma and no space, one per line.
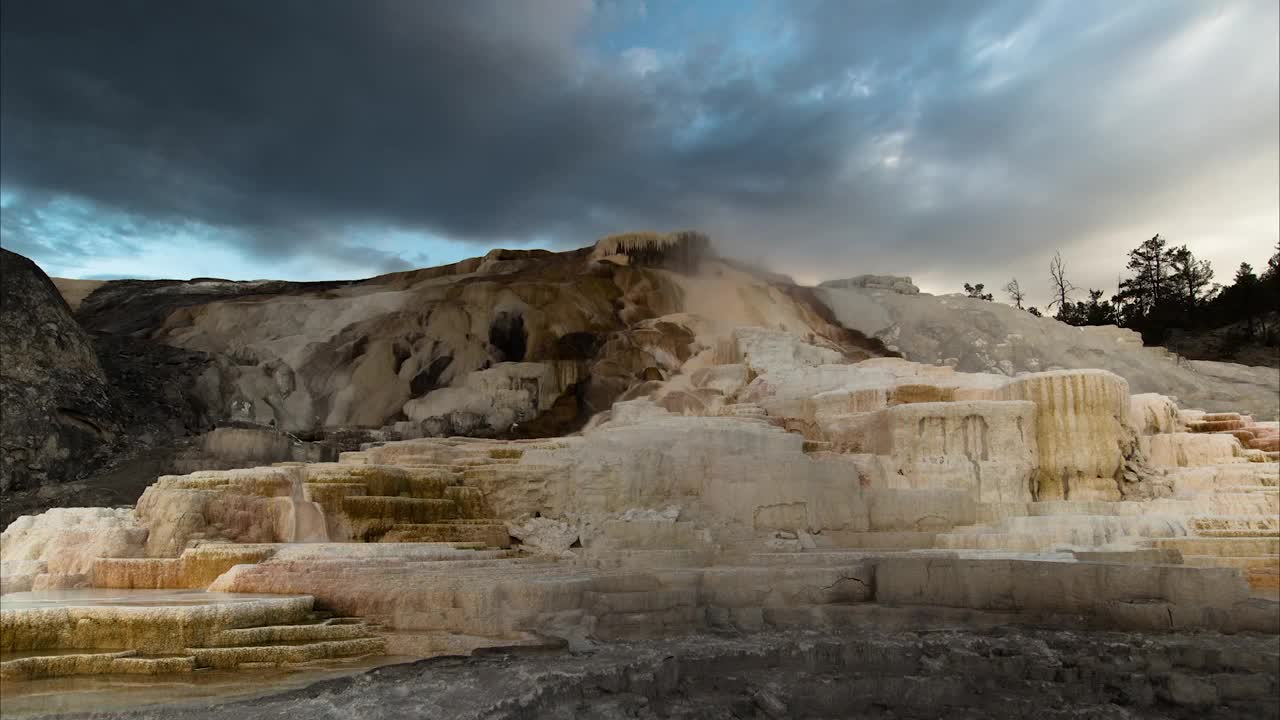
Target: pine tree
(1141,298)
(1245,274)
(1270,293)
(975,292)
(1097,311)
(1245,296)
(1149,263)
(1191,278)
(1094,311)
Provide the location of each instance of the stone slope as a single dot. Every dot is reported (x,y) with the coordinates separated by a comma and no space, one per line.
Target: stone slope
(57,411)
(485,346)
(511,344)
(979,336)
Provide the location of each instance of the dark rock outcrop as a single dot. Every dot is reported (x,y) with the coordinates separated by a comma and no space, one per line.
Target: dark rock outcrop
(92,418)
(57,411)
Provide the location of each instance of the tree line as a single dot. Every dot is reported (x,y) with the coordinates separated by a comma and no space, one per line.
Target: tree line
(1167,288)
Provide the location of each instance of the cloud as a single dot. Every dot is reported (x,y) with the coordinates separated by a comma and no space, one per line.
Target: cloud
(951,140)
(641,60)
(78,238)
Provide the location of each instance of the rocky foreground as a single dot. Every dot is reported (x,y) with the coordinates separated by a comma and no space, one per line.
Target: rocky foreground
(999,673)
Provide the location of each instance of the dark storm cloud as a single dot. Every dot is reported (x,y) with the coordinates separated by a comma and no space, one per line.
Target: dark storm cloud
(265,114)
(848,136)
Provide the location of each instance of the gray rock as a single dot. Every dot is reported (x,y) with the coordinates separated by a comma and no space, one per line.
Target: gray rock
(545,535)
(1182,689)
(57,409)
(896,283)
(830,673)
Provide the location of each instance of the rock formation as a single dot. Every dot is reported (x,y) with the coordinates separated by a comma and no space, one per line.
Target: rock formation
(57,415)
(92,419)
(513,344)
(979,336)
(668,443)
(481,347)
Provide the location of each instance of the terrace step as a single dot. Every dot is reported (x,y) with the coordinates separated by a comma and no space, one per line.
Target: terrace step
(1221,546)
(646,558)
(124,662)
(276,634)
(1213,426)
(823,558)
(230,658)
(602,603)
(883,540)
(744,410)
(1246,562)
(1240,526)
(484,533)
(980,540)
(409,510)
(1222,416)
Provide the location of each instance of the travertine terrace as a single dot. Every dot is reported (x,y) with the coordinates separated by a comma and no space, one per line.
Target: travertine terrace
(761,468)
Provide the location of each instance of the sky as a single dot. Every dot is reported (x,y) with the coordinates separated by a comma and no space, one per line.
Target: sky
(953,142)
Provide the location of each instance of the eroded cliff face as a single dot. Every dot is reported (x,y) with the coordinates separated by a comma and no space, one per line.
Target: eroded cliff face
(57,414)
(516,343)
(92,418)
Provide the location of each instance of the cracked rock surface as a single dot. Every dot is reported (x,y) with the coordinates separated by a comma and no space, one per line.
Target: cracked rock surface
(57,408)
(1005,673)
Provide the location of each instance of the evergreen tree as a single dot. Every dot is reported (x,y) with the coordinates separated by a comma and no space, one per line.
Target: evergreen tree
(1142,294)
(1191,278)
(1245,274)
(1169,287)
(1270,292)
(1094,311)
(1098,311)
(1070,313)
(1151,300)
(1244,297)
(975,292)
